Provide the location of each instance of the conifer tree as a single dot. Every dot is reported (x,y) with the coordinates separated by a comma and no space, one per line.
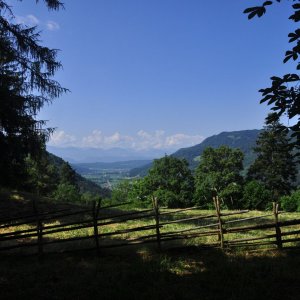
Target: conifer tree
(26,85)
(275,165)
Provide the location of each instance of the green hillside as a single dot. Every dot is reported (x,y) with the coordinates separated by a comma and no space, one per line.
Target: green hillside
(84,184)
(244,140)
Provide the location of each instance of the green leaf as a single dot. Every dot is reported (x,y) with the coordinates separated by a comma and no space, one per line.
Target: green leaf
(296,6)
(261,11)
(275,78)
(250,9)
(295,56)
(272,101)
(293,37)
(288,57)
(267,3)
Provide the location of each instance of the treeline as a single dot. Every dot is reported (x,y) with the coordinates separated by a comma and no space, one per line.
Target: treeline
(270,178)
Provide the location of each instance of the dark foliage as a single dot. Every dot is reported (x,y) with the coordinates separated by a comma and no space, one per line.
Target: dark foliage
(274,166)
(219,172)
(171,180)
(26,85)
(284,95)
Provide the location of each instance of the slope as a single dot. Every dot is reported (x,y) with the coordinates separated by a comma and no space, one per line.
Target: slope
(84,184)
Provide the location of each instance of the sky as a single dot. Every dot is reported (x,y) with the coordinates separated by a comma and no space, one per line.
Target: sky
(158,74)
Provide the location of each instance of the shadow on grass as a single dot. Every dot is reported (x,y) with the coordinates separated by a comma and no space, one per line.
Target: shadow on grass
(140,273)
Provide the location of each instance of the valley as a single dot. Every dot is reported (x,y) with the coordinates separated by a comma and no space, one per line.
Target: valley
(107,175)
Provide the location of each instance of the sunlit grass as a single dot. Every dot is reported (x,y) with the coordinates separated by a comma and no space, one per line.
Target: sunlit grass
(198,241)
(141,272)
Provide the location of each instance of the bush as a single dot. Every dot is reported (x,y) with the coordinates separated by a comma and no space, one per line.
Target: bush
(89,198)
(66,193)
(288,203)
(168,198)
(291,203)
(256,196)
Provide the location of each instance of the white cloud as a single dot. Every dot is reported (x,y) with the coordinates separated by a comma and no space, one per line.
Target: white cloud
(143,134)
(52,26)
(142,140)
(98,140)
(32,20)
(94,139)
(29,20)
(183,139)
(118,139)
(113,139)
(60,138)
(159,140)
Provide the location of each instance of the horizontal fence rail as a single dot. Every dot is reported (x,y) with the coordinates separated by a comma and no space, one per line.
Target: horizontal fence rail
(218,225)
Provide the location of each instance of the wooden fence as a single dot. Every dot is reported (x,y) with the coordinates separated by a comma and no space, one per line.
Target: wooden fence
(219,226)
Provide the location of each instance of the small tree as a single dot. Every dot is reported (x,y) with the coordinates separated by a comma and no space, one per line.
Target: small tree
(120,192)
(171,180)
(42,175)
(219,170)
(66,193)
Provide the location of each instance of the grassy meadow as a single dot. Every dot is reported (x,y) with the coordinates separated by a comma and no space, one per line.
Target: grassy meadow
(140,271)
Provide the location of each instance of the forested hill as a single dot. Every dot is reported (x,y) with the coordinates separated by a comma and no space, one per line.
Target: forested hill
(84,184)
(244,140)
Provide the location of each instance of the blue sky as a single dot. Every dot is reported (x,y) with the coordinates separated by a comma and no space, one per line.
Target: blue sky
(160,74)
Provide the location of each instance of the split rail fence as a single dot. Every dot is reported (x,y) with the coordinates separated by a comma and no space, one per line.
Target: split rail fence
(39,231)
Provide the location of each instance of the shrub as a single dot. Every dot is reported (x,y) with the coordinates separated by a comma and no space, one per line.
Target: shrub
(288,203)
(66,192)
(256,196)
(291,203)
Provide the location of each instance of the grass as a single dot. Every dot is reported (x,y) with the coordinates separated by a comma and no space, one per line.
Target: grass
(140,272)
(265,217)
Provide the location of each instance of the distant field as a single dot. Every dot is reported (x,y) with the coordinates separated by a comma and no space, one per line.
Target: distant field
(107,175)
(107,178)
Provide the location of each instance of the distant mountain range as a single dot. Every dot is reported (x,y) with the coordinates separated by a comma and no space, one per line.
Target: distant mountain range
(92,155)
(244,140)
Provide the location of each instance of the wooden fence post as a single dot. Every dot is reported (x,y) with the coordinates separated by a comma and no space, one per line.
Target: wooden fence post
(156,212)
(220,225)
(39,229)
(277,227)
(96,209)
